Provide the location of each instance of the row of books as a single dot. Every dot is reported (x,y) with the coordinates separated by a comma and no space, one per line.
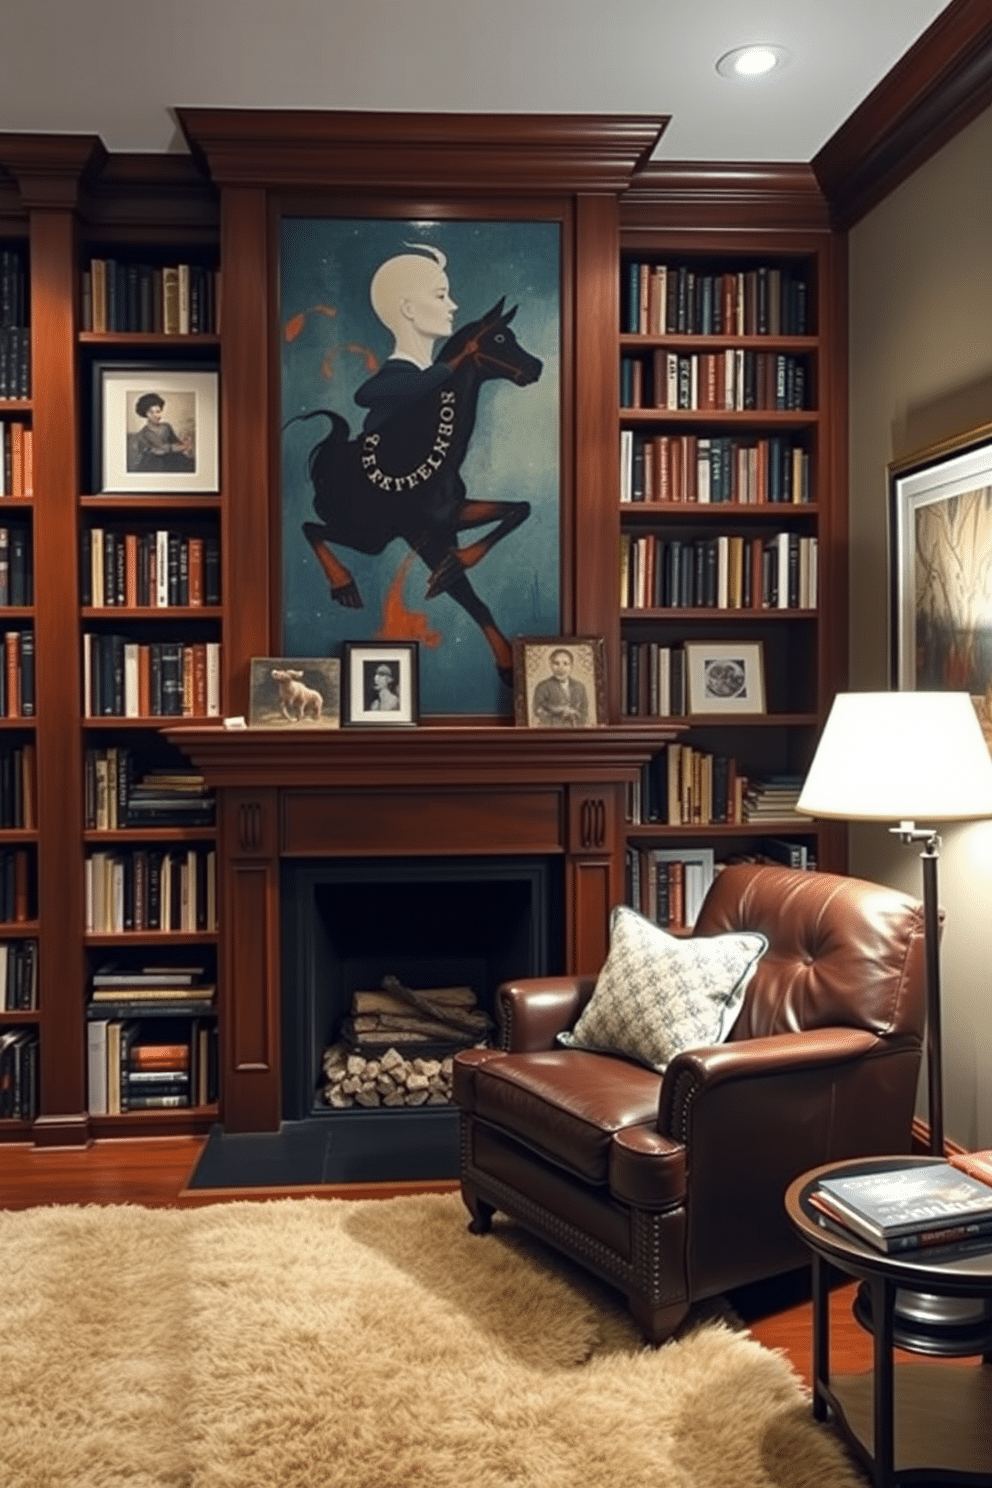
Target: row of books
(19,975)
(134,1066)
(728,571)
(13,287)
(681,300)
(914,1207)
(18,901)
(16,571)
(668,885)
(732,381)
(682,786)
(15,363)
(17,675)
(18,1074)
(712,469)
(115,796)
(18,786)
(141,889)
(177,299)
(155,568)
(16,458)
(123,678)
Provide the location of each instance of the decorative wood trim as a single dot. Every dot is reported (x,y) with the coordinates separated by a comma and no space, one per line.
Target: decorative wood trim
(141,195)
(49,168)
(339,150)
(941,84)
(724,195)
(444,758)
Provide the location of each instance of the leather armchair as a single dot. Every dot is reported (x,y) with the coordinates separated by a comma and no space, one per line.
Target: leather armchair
(671,1186)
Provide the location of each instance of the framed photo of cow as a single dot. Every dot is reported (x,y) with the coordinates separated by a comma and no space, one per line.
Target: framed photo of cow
(421,437)
(295,692)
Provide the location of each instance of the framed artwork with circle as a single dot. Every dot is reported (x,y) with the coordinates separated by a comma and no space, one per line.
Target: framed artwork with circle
(725,676)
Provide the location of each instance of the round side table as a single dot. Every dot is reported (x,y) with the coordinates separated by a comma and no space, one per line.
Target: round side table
(914,1422)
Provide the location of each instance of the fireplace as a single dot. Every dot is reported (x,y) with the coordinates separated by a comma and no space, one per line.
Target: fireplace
(349,923)
(364,811)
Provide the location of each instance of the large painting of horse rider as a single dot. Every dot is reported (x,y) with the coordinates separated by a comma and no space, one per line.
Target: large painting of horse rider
(421,444)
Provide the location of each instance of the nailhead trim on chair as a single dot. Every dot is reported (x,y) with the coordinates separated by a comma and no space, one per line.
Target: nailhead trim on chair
(643,1274)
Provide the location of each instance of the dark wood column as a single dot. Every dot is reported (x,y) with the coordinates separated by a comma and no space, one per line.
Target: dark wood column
(48,171)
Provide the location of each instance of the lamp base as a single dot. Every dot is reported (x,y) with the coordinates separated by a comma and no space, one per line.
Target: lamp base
(922,1323)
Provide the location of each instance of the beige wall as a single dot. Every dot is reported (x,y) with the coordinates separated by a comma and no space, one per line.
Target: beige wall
(921,371)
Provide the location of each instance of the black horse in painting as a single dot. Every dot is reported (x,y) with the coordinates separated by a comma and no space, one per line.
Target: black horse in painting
(400,478)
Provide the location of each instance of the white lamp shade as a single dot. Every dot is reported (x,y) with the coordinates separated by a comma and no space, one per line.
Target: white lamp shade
(900,756)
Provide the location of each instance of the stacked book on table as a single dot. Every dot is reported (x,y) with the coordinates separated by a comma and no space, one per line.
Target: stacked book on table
(905,1209)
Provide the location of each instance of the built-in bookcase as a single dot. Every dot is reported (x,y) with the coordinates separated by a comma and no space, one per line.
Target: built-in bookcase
(150,649)
(725,581)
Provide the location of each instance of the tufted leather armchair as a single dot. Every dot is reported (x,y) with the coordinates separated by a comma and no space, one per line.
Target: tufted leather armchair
(671,1187)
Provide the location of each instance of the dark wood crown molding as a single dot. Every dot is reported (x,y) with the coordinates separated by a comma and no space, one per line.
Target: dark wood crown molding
(724,194)
(941,84)
(459,154)
(134,194)
(48,169)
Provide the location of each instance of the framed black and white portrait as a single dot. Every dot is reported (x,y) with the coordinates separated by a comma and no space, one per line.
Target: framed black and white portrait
(381,683)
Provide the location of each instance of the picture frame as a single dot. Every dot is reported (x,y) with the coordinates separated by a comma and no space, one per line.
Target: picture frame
(295,692)
(940,563)
(725,676)
(559,682)
(377,507)
(381,684)
(136,451)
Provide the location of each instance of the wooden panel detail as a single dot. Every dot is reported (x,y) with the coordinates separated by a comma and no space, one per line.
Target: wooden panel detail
(411,822)
(591,821)
(589,896)
(251,1026)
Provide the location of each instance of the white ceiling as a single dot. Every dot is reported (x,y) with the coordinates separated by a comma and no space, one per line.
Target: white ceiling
(116,68)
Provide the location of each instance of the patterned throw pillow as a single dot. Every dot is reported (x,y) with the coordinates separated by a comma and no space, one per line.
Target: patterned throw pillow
(657,994)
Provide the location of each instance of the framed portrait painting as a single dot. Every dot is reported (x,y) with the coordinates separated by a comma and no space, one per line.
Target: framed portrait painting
(559,683)
(940,534)
(421,443)
(155,428)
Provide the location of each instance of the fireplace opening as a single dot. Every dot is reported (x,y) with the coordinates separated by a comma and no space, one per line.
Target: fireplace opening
(351,925)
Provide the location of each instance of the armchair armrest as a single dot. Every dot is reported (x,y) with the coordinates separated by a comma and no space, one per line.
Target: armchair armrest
(530,1012)
(797,1058)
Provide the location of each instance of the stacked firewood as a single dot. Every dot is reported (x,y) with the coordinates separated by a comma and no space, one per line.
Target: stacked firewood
(353,1080)
(397,1044)
(442,1018)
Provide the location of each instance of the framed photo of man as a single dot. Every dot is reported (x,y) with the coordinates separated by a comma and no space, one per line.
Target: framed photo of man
(155,428)
(559,682)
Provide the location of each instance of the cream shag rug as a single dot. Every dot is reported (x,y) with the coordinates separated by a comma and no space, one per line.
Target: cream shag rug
(311,1343)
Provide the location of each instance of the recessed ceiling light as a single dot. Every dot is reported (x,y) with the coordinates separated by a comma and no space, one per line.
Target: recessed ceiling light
(749,62)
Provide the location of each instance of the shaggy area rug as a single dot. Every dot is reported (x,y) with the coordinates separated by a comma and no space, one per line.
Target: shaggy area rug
(305,1343)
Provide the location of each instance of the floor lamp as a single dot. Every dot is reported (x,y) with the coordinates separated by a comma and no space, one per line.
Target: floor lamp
(905,757)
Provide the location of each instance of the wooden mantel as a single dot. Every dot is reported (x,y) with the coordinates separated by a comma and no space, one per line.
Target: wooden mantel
(420,756)
(397,792)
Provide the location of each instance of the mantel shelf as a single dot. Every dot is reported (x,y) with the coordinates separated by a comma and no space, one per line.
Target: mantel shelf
(424,756)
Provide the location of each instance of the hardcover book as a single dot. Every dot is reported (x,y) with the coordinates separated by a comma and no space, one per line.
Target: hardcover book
(886,1207)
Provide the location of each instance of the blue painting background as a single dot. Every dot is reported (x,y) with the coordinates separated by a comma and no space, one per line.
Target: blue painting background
(325,269)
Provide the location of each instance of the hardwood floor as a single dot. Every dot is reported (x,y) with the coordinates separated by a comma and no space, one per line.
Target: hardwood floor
(154,1172)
